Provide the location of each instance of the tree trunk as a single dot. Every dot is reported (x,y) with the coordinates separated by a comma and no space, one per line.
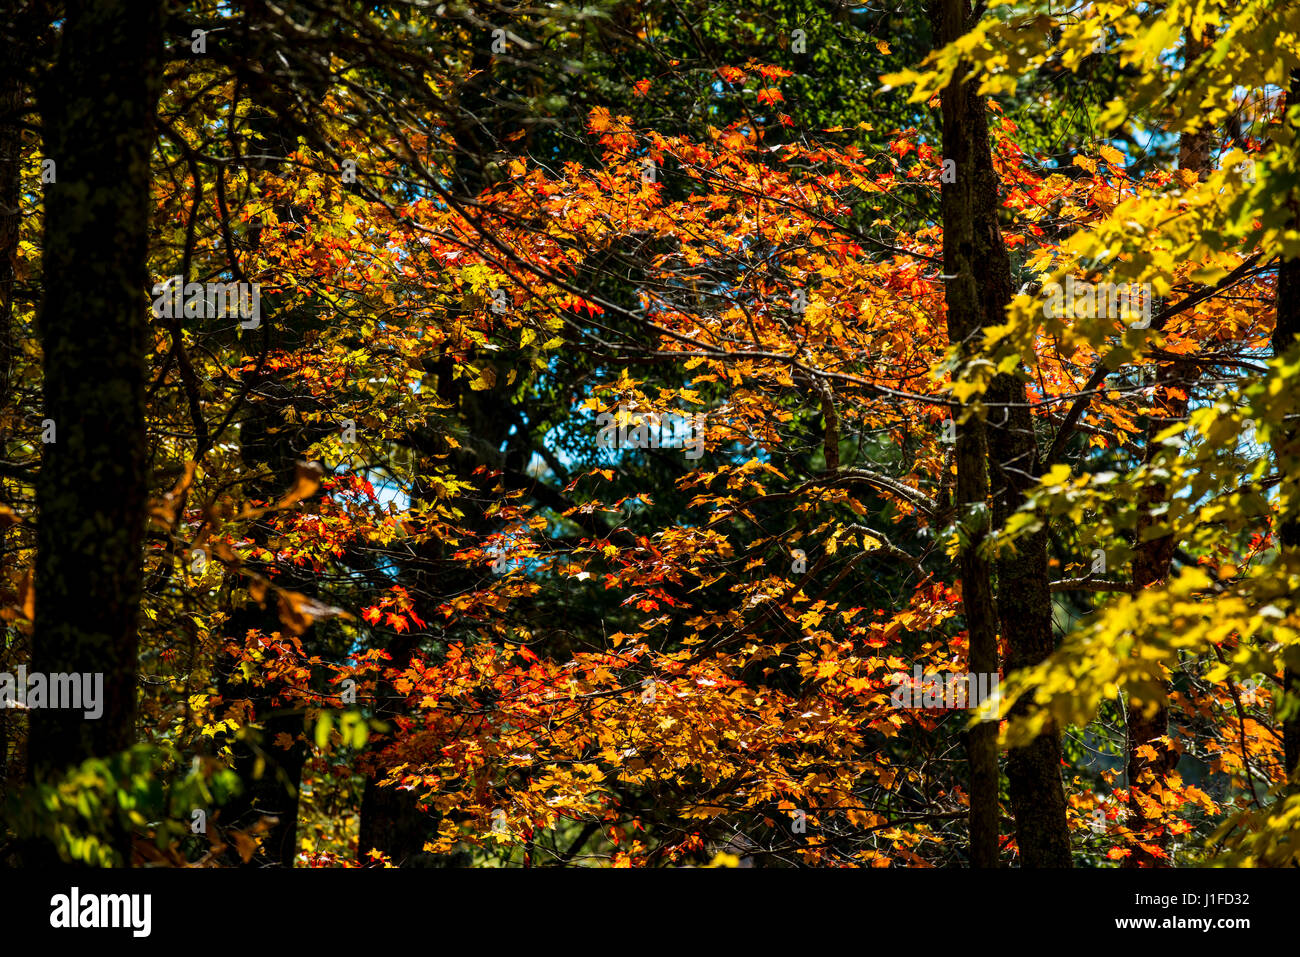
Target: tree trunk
(1285,335)
(91,493)
(979,285)
(270,776)
(391,820)
(12,98)
(972,487)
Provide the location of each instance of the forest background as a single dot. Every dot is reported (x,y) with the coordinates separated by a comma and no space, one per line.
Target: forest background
(548,435)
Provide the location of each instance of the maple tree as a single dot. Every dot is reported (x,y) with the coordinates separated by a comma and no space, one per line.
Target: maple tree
(637,396)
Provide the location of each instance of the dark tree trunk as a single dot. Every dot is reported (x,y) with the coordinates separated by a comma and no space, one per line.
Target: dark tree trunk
(972,486)
(1024,595)
(391,820)
(12,99)
(270,776)
(979,285)
(91,494)
(1285,336)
